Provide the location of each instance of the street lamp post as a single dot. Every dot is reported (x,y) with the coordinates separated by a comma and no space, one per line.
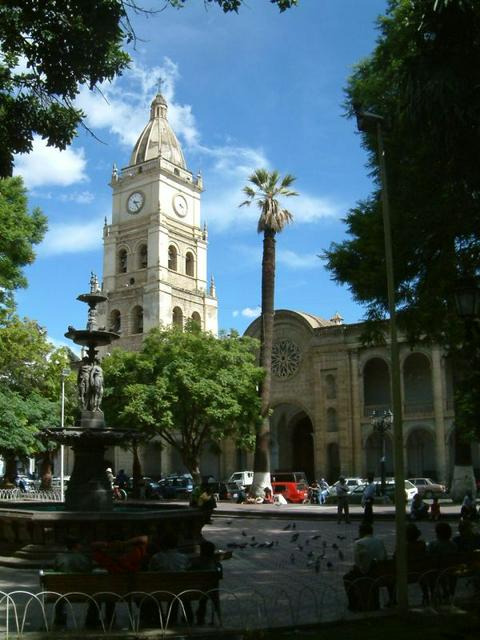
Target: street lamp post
(64,374)
(381,424)
(371,122)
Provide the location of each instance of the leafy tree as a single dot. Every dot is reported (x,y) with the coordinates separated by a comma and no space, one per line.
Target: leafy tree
(187,388)
(422,79)
(20,231)
(30,373)
(48,49)
(265,193)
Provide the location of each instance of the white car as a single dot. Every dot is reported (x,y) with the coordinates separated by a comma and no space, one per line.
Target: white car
(352,483)
(242,478)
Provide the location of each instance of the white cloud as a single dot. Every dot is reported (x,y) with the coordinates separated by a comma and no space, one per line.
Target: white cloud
(120,106)
(80,197)
(46,165)
(250,312)
(72,237)
(298,261)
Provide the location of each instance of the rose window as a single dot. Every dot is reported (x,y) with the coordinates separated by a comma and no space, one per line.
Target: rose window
(285,358)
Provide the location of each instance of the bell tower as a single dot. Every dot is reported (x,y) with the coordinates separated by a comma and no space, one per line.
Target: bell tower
(155,249)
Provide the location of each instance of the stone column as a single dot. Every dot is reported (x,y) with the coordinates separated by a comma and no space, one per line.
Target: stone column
(439,415)
(356,414)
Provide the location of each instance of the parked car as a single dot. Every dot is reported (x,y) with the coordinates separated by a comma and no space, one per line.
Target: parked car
(357,493)
(292,485)
(242,478)
(427,488)
(351,483)
(176,487)
(225,490)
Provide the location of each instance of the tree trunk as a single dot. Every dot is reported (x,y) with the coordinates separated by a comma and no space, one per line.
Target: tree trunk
(138,489)
(46,471)
(10,471)
(261,462)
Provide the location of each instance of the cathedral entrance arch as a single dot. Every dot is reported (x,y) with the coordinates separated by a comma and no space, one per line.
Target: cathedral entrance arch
(374,452)
(421,454)
(291,445)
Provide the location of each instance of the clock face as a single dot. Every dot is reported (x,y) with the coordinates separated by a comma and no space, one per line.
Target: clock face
(180,205)
(135,202)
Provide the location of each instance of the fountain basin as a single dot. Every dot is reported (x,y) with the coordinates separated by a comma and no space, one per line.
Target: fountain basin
(31,534)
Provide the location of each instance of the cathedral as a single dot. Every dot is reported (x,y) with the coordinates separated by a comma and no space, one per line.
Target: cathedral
(326,384)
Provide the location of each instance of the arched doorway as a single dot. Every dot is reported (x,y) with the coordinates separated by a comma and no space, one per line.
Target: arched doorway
(333,462)
(421,454)
(373,454)
(302,447)
(291,442)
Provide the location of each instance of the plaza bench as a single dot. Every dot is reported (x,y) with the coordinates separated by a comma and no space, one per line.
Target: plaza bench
(143,587)
(435,574)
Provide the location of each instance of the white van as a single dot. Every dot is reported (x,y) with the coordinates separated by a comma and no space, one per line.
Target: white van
(242,478)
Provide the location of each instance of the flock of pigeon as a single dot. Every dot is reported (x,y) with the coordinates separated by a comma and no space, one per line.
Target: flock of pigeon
(309,551)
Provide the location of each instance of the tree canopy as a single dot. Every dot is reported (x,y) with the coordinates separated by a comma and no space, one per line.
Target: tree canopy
(30,374)
(20,231)
(49,49)
(188,388)
(422,78)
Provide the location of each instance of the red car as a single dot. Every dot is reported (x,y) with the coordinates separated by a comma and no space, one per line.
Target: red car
(292,485)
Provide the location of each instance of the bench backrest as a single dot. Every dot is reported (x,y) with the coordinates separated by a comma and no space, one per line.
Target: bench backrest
(125,583)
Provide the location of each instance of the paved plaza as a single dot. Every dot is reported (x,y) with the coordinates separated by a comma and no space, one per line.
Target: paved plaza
(287,563)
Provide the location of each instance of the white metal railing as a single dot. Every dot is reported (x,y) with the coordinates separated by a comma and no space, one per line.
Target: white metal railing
(278,606)
(36,495)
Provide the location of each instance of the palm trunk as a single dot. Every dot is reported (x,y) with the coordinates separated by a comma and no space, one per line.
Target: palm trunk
(261,462)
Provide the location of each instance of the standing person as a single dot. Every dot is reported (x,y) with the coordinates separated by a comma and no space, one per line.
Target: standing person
(469,507)
(368,498)
(122,479)
(314,490)
(435,510)
(342,501)
(418,508)
(324,487)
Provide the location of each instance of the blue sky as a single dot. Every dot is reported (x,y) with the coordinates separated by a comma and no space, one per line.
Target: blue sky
(257,89)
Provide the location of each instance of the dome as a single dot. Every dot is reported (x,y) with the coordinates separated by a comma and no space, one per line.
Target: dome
(157,138)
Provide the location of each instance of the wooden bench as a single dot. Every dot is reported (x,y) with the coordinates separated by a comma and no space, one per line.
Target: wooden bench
(155,587)
(435,574)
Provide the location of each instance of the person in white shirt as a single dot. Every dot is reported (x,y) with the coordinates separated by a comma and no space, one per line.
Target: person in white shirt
(367,552)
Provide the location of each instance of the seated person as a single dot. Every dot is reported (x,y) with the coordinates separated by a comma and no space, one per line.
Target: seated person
(268,498)
(418,508)
(314,490)
(466,539)
(469,507)
(367,552)
(168,557)
(73,560)
(442,545)
(117,556)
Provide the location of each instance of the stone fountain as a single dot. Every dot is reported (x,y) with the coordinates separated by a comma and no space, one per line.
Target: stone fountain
(31,533)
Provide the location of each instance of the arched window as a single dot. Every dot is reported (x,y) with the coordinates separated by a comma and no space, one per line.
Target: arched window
(196,319)
(143,256)
(330,387)
(376,386)
(177,318)
(189,264)
(137,320)
(172,258)
(122,261)
(115,321)
(331,420)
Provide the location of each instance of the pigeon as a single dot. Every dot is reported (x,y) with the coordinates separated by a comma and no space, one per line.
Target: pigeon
(252,538)
(292,558)
(310,554)
(329,565)
(269,545)
(229,522)
(299,547)
(294,526)
(334,545)
(294,538)
(319,535)
(287,527)
(341,537)
(324,544)
(317,567)
(307,542)
(340,555)
(244,534)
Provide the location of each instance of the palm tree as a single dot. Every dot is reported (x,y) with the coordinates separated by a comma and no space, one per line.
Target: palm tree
(267,188)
